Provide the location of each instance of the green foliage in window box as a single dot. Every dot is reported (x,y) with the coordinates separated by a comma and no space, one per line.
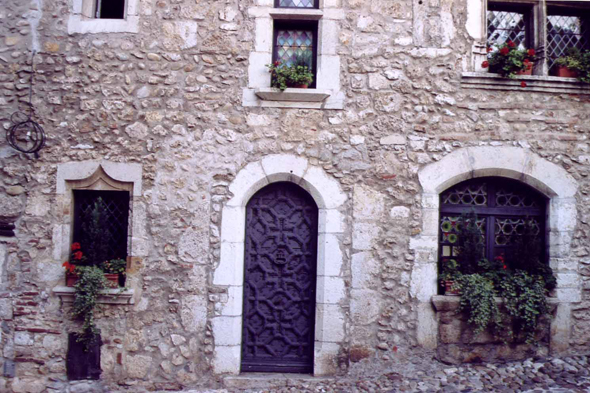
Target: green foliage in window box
(114,266)
(91,281)
(284,76)
(509,61)
(522,283)
(577,60)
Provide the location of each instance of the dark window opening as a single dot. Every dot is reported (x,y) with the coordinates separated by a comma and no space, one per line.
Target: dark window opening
(508,214)
(101,221)
(111,9)
(295,43)
(297,3)
(82,362)
(508,22)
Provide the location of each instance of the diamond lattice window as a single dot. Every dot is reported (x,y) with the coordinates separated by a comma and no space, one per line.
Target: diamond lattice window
(504,26)
(507,212)
(101,221)
(563,32)
(295,47)
(296,3)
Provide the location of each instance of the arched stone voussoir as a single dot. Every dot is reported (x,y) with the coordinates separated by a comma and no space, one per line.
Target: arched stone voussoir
(504,161)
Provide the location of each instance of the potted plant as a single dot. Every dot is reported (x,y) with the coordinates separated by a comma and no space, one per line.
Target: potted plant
(91,281)
(567,66)
(77,257)
(450,273)
(113,270)
(509,61)
(297,75)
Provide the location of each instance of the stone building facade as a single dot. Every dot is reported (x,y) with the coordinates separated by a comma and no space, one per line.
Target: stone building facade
(172,104)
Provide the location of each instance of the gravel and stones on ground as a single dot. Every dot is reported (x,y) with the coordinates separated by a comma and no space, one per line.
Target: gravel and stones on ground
(570,374)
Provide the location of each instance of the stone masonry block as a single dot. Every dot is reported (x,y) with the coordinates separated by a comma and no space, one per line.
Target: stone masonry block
(330,257)
(231,265)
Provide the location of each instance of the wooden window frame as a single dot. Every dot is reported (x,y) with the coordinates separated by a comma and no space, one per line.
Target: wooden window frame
(526,9)
(491,212)
(307,25)
(316,5)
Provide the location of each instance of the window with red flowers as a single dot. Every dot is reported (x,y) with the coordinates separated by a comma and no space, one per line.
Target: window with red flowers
(550,27)
(296,43)
(101,224)
(506,212)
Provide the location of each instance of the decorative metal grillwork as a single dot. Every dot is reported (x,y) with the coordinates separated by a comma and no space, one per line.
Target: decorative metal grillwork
(563,32)
(297,3)
(295,47)
(115,223)
(507,229)
(470,194)
(515,198)
(450,230)
(504,26)
(279,283)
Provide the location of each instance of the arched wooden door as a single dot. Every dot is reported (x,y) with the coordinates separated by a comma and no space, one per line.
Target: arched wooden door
(280,280)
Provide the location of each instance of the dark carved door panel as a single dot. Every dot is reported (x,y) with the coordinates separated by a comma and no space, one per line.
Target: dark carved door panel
(280,280)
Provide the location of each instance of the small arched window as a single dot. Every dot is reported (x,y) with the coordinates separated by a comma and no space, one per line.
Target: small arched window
(507,213)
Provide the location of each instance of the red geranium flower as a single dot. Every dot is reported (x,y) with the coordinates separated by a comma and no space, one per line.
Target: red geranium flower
(69,267)
(485,64)
(277,63)
(78,255)
(511,44)
(504,51)
(504,267)
(531,52)
(75,246)
(523,84)
(526,61)
(490,49)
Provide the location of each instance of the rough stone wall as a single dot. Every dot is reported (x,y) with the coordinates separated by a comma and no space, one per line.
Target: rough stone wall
(174,107)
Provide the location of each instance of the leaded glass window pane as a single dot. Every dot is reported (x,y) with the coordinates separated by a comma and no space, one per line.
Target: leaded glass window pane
(109,210)
(295,47)
(504,26)
(565,32)
(297,3)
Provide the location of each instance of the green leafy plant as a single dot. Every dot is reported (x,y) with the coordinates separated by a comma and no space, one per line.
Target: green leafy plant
(450,270)
(577,60)
(508,60)
(91,281)
(284,76)
(477,299)
(114,266)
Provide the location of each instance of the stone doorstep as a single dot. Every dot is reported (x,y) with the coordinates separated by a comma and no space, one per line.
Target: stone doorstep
(270,381)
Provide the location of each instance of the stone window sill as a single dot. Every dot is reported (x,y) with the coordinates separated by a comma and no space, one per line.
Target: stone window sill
(298,14)
(291,94)
(452,302)
(535,83)
(108,296)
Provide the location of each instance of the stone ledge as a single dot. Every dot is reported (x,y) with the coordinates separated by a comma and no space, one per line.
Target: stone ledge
(452,302)
(271,381)
(108,296)
(291,94)
(535,83)
(296,14)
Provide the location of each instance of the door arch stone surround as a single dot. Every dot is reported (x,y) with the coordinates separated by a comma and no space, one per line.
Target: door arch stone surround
(330,321)
(503,161)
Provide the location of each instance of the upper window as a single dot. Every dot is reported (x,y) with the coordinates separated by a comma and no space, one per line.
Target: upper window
(296,3)
(295,43)
(506,213)
(101,221)
(508,23)
(567,26)
(110,9)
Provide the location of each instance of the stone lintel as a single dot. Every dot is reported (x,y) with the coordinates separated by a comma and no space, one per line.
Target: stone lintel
(296,14)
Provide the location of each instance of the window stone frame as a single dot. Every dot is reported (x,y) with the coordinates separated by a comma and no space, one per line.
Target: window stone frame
(83,20)
(107,176)
(520,164)
(328,93)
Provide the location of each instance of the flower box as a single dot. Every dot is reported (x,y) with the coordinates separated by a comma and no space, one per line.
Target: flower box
(113,279)
(565,72)
(448,284)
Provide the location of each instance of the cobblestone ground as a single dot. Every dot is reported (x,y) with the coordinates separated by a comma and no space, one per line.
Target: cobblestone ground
(554,375)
